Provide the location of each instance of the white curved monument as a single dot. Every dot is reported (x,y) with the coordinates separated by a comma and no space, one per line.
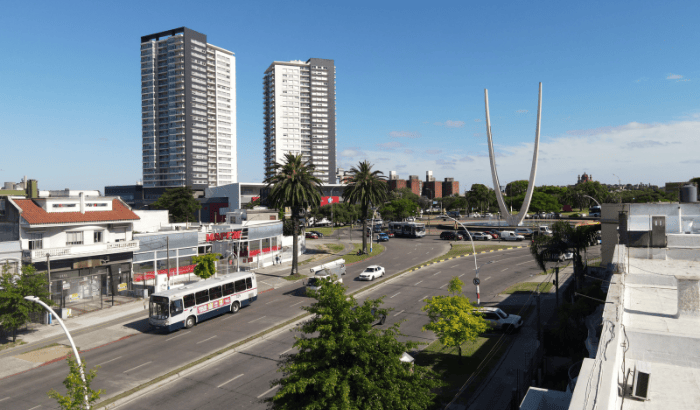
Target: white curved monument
(514,220)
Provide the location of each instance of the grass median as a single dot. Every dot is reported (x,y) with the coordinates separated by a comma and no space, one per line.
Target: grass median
(466,249)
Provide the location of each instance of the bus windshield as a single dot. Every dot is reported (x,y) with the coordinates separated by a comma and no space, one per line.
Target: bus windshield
(420,228)
(159,307)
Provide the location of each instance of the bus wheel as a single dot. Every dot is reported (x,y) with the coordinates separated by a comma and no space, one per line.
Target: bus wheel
(234,307)
(189,322)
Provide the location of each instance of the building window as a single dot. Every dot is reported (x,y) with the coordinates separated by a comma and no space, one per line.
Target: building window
(36,241)
(98,237)
(74,238)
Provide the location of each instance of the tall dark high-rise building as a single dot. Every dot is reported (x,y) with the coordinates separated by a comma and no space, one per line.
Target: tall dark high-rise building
(188,100)
(299,100)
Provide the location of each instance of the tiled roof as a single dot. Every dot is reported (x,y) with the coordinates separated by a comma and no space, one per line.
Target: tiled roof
(36,215)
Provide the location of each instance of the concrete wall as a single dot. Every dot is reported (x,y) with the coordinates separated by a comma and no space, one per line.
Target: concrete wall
(151,221)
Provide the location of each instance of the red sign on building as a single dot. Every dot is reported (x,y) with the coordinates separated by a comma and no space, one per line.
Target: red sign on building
(220,236)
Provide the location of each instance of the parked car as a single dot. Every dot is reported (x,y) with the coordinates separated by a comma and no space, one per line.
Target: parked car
(561,257)
(382,237)
(523,231)
(311,235)
(511,236)
(372,272)
(499,319)
(480,236)
(495,233)
(319,234)
(451,236)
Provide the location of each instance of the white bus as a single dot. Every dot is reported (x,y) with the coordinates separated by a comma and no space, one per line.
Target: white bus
(186,306)
(407,229)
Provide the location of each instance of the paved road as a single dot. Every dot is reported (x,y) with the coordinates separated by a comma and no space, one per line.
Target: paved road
(243,380)
(131,362)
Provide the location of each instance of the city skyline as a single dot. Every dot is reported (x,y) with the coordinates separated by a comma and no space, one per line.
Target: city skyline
(618,91)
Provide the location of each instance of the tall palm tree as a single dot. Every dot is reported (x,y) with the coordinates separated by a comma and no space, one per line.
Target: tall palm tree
(293,185)
(366,187)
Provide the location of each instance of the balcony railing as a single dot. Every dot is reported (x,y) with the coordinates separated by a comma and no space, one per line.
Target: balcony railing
(79,250)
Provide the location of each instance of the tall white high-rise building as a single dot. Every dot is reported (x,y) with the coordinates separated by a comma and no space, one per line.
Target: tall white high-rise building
(188,98)
(300,117)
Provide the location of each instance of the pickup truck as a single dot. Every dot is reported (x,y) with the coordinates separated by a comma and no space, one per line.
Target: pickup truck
(511,236)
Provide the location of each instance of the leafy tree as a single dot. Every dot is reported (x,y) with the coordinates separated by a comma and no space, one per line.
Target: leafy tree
(480,196)
(294,185)
(77,390)
(179,202)
(252,204)
(343,362)
(546,249)
(408,194)
(453,202)
(206,265)
(516,188)
(399,209)
(14,309)
(453,319)
(366,187)
(542,202)
(424,202)
(559,193)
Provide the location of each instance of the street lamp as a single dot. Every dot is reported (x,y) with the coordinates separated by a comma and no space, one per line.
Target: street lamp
(70,339)
(476,266)
(332,216)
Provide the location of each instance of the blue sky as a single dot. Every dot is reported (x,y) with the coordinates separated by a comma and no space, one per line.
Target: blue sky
(620,85)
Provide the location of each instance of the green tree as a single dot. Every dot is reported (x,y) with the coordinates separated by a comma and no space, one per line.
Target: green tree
(14,309)
(77,390)
(564,237)
(295,186)
(180,204)
(344,362)
(542,202)
(480,196)
(252,204)
(399,209)
(516,188)
(365,188)
(453,318)
(206,265)
(406,193)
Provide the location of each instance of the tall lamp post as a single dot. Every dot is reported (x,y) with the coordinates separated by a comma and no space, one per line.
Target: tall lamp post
(70,339)
(476,266)
(332,216)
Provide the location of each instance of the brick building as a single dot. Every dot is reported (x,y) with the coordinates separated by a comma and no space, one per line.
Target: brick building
(450,187)
(415,184)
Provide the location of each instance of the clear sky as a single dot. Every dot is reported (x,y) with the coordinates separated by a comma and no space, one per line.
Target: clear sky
(620,85)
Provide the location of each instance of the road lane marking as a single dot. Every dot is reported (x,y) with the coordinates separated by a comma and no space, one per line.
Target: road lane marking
(436,273)
(4,399)
(488,278)
(460,275)
(443,286)
(268,391)
(390,297)
(272,301)
(421,299)
(202,341)
(141,365)
(524,262)
(181,334)
(255,320)
(35,407)
(417,283)
(504,269)
(286,351)
(109,361)
(398,313)
(228,317)
(298,303)
(225,383)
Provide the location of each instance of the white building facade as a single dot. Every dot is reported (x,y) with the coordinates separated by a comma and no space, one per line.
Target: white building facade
(188,99)
(299,112)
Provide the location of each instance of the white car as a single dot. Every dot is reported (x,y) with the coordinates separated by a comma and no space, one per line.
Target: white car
(499,319)
(372,272)
(566,256)
(480,236)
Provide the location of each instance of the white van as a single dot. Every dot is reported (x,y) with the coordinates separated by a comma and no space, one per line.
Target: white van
(333,270)
(511,236)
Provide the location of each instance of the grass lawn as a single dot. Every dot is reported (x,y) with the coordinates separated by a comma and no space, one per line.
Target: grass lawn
(335,247)
(10,345)
(327,230)
(465,249)
(528,287)
(353,257)
(445,361)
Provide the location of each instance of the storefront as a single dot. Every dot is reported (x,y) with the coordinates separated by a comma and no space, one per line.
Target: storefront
(248,246)
(152,258)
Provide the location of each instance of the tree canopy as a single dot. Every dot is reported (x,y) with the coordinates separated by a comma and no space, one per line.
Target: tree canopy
(516,188)
(180,203)
(77,390)
(365,188)
(453,318)
(399,209)
(344,362)
(14,309)
(206,265)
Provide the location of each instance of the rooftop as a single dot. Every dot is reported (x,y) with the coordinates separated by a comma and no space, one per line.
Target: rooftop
(33,214)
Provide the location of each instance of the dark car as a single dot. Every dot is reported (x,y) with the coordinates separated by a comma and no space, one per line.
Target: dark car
(319,234)
(451,236)
(311,235)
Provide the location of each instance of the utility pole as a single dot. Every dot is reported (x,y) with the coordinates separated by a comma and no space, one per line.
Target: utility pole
(167,255)
(556,284)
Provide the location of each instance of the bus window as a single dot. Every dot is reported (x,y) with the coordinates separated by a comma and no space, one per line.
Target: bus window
(228,288)
(159,307)
(189,301)
(176,307)
(240,286)
(249,283)
(215,292)
(202,297)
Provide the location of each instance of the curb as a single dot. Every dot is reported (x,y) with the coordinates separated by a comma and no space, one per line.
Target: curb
(464,256)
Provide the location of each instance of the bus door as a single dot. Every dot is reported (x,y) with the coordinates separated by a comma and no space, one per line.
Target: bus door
(176,309)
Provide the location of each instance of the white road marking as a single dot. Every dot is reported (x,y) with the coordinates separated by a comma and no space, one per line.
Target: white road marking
(443,286)
(286,351)
(141,365)
(266,283)
(298,303)
(4,399)
(524,262)
(398,313)
(225,383)
(35,407)
(417,283)
(268,391)
(488,278)
(272,301)
(255,320)
(202,341)
(421,299)
(504,269)
(181,334)
(436,273)
(390,297)
(461,275)
(110,361)
(228,317)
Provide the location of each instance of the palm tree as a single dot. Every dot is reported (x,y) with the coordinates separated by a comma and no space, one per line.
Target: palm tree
(366,187)
(293,185)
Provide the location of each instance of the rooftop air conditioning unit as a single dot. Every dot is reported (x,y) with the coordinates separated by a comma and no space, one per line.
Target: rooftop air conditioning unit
(642,378)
